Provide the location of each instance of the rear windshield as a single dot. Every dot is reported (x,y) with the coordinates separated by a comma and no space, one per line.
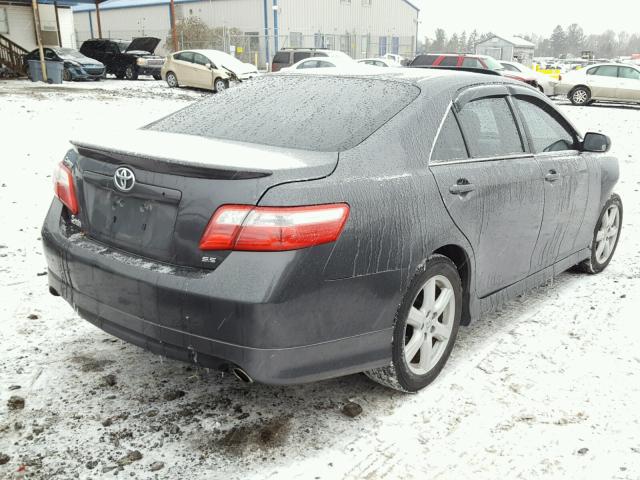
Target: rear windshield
(306,112)
(424,60)
(281,57)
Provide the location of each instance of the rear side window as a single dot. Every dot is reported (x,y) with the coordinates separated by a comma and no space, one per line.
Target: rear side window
(184,56)
(607,71)
(449,62)
(281,57)
(450,144)
(309,112)
(509,67)
(490,128)
(424,60)
(547,133)
(471,63)
(320,54)
(297,56)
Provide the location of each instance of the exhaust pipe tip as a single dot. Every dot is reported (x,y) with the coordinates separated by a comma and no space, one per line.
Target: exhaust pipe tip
(241,375)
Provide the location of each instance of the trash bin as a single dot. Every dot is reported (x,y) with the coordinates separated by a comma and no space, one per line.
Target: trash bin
(54,71)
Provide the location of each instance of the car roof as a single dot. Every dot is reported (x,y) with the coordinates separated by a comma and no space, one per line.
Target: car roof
(422,76)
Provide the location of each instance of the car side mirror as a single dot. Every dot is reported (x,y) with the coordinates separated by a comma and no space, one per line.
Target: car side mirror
(596,142)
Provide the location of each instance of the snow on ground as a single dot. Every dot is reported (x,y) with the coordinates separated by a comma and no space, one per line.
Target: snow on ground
(548,387)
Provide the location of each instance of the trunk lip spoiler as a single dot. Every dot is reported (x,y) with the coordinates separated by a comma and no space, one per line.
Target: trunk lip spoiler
(165,165)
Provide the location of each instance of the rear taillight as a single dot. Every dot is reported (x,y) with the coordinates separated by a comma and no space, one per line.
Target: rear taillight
(64,188)
(272,229)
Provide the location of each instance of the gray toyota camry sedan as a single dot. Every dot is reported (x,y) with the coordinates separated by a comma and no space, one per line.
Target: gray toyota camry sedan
(297,228)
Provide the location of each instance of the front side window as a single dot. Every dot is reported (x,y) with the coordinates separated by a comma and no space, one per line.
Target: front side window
(511,68)
(323,64)
(308,64)
(200,59)
(471,63)
(547,133)
(490,128)
(607,71)
(628,72)
(450,144)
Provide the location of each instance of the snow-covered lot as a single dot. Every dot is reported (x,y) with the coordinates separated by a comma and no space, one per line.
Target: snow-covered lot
(548,387)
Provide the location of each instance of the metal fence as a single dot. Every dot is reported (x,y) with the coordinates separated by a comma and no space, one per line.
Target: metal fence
(253,48)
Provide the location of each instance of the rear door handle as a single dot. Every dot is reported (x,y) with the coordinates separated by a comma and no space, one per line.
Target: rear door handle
(551,176)
(462,187)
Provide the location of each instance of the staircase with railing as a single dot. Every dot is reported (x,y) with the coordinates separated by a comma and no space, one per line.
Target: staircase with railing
(11,56)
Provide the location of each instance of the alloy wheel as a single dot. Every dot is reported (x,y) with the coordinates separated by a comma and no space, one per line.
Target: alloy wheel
(220,85)
(580,96)
(429,324)
(607,236)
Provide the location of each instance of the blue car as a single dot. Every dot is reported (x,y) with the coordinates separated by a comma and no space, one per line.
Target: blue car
(76,65)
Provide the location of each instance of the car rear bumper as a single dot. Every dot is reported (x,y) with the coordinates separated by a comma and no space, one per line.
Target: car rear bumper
(192,315)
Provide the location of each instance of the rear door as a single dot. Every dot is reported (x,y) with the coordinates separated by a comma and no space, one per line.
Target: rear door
(603,81)
(566,178)
(490,185)
(184,68)
(628,84)
(202,75)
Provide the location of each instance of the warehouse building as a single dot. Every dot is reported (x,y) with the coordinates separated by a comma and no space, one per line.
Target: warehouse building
(254,29)
(507,48)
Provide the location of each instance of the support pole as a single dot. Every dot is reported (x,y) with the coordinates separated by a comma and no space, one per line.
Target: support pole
(275,24)
(36,22)
(55,9)
(98,18)
(174,33)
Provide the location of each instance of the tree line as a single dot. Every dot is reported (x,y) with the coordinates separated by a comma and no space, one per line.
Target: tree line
(568,41)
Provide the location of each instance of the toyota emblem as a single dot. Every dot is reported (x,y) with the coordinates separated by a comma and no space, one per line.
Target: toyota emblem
(124,179)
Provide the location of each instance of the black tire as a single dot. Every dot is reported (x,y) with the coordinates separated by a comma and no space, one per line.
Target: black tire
(593,264)
(172,80)
(157,76)
(219,85)
(399,375)
(119,75)
(580,96)
(130,73)
(66,75)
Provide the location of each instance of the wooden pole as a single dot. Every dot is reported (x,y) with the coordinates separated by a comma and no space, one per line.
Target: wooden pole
(55,9)
(36,22)
(174,33)
(98,18)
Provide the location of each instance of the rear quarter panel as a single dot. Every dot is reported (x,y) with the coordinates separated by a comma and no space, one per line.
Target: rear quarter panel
(397,218)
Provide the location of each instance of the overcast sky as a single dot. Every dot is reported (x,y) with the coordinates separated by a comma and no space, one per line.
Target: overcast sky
(539,16)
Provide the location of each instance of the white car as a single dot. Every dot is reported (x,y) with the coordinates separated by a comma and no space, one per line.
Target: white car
(379,62)
(611,82)
(546,84)
(324,65)
(209,69)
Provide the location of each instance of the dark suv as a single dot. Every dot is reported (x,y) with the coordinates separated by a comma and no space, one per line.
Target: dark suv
(288,56)
(126,59)
(482,62)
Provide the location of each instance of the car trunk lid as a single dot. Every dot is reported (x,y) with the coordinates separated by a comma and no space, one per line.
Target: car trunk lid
(179,181)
